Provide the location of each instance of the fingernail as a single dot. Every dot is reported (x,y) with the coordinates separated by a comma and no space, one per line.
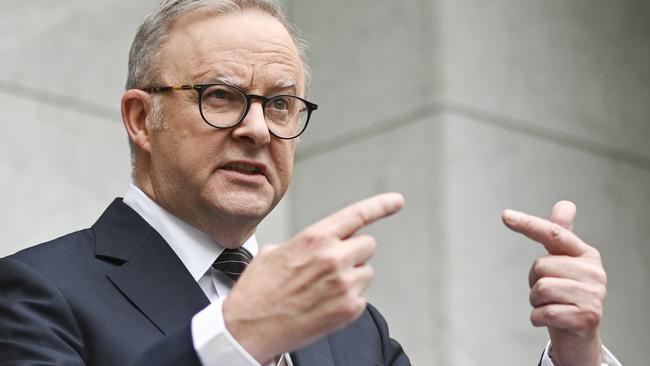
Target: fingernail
(511,217)
(396,200)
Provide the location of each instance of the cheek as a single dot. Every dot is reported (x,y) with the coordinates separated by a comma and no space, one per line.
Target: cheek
(283,157)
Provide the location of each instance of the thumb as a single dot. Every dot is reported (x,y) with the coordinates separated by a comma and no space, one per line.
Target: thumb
(563,213)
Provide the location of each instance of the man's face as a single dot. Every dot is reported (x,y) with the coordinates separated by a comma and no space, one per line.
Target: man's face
(200,173)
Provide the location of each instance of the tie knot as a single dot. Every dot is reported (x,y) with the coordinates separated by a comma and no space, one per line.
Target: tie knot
(233,262)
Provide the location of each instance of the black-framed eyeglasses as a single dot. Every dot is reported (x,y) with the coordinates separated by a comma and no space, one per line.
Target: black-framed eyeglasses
(225,106)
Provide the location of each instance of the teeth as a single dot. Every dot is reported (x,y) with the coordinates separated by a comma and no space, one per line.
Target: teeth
(243,168)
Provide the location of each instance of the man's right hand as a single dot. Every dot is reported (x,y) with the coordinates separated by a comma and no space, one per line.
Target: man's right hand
(297,292)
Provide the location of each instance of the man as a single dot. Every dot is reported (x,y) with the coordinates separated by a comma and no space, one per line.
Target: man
(213,107)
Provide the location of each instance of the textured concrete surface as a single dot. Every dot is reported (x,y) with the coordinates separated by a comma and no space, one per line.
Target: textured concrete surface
(61,168)
(488,265)
(409,263)
(532,102)
(577,67)
(369,61)
(63,71)
(76,49)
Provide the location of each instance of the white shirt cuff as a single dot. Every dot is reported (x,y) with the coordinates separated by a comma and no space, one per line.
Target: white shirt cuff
(608,358)
(213,343)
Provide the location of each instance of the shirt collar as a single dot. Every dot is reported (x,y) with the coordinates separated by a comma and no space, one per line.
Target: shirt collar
(193,247)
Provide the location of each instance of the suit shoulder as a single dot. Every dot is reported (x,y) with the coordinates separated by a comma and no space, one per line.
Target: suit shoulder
(70,248)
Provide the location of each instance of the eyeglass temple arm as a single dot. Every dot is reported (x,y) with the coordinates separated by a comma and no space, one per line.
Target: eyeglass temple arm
(162,89)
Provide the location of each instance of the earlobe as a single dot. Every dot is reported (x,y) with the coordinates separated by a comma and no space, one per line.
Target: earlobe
(136,106)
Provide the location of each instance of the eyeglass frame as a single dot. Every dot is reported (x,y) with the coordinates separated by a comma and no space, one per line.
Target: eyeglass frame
(201,88)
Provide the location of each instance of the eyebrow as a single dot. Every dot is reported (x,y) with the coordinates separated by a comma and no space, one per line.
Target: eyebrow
(229,80)
(285,84)
(225,79)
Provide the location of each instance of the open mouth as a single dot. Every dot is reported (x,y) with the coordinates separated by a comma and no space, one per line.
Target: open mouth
(244,168)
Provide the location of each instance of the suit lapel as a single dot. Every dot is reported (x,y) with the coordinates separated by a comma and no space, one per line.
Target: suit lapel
(152,277)
(316,354)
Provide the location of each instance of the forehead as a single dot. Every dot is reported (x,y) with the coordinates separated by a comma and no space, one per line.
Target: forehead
(251,48)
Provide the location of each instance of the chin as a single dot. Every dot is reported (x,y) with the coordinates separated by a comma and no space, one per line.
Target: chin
(243,205)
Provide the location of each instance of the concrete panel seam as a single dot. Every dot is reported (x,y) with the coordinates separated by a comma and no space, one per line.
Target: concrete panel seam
(418,114)
(57,100)
(548,134)
(413,116)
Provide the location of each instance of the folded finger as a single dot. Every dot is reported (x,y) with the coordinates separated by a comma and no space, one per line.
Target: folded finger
(549,290)
(362,277)
(562,316)
(563,213)
(358,249)
(561,266)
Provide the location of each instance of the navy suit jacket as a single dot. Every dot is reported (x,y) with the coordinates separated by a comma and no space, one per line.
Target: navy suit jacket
(116,294)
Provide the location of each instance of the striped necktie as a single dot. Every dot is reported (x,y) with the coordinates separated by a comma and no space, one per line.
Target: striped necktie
(232,262)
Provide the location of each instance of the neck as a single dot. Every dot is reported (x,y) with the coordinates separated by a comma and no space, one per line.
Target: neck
(226,231)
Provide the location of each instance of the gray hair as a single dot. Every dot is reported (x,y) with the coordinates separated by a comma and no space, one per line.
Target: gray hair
(154,31)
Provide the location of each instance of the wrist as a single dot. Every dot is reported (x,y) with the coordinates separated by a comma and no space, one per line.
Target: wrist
(574,350)
(239,329)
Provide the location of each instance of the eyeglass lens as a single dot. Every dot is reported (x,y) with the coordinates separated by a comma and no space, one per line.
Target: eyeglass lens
(224,106)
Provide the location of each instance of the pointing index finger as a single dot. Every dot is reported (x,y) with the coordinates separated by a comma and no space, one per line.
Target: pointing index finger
(350,219)
(556,239)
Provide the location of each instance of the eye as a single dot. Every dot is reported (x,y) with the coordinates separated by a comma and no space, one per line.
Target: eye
(280,104)
(222,94)
(223,97)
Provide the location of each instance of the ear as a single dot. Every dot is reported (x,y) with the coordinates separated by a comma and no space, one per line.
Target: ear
(136,106)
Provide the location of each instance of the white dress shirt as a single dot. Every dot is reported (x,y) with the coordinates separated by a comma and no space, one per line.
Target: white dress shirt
(608,358)
(213,343)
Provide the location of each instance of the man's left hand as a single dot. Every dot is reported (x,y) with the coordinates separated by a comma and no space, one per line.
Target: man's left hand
(568,286)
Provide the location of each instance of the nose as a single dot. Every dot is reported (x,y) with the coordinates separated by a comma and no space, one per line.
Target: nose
(253,129)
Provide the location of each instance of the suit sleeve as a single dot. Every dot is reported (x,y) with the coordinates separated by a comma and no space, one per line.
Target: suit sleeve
(37,326)
(392,351)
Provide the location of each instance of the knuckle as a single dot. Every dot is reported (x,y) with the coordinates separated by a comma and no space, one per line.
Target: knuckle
(370,273)
(540,267)
(598,275)
(591,317)
(599,293)
(528,223)
(338,285)
(542,288)
(551,314)
(363,217)
(596,254)
(371,241)
(604,279)
(555,232)
(313,237)
(328,261)
(351,307)
(535,318)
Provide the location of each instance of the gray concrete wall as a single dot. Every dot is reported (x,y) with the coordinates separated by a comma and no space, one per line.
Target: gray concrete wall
(469,108)
(465,108)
